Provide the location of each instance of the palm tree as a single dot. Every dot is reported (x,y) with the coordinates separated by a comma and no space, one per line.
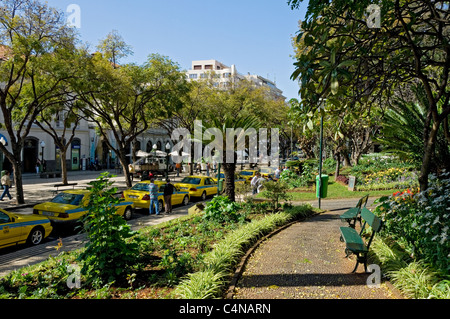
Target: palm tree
(230,125)
(403,131)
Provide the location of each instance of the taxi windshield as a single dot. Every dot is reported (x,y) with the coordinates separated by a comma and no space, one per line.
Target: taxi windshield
(68,199)
(246,173)
(141,187)
(191,180)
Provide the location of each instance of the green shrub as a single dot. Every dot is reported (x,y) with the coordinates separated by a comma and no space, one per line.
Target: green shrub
(111,248)
(292,179)
(221,209)
(276,191)
(420,221)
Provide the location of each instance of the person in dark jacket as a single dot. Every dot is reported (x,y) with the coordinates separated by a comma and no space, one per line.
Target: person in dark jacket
(168,192)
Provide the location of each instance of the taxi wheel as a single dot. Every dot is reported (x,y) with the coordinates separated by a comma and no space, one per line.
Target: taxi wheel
(128,213)
(36,236)
(204,196)
(185,200)
(160,206)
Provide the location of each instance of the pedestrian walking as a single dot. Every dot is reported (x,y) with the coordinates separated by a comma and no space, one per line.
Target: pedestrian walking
(277,173)
(208,167)
(153,189)
(168,192)
(38,165)
(178,167)
(256,183)
(6,182)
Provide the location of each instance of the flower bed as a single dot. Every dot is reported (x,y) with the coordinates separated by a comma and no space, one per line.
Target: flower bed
(419,221)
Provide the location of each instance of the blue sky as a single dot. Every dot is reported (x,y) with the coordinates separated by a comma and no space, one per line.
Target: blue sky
(255,35)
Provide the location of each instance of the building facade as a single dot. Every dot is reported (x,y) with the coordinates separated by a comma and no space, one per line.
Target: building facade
(224,76)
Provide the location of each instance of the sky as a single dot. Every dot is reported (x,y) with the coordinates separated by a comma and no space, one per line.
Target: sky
(254,35)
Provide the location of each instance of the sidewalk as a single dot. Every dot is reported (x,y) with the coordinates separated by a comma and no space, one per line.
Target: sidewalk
(307,261)
(38,190)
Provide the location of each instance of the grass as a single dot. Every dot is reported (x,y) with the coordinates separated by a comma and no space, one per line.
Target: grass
(208,282)
(414,278)
(335,191)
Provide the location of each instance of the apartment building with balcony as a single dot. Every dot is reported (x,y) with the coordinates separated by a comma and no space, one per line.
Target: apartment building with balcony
(224,76)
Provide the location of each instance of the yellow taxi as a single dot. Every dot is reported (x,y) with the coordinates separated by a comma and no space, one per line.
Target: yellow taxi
(267,172)
(238,179)
(70,206)
(248,174)
(198,186)
(18,229)
(139,194)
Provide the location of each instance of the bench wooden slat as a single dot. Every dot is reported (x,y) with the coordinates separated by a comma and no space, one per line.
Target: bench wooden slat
(352,240)
(371,219)
(350,214)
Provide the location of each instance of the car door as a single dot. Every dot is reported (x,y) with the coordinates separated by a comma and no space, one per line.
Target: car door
(212,186)
(177,198)
(9,232)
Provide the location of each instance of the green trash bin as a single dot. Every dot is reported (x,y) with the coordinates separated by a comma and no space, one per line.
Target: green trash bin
(325,179)
(220,185)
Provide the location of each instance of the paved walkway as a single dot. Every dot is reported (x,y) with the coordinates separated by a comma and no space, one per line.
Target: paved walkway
(307,261)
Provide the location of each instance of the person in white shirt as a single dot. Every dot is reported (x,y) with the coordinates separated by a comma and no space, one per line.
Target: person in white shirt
(256,183)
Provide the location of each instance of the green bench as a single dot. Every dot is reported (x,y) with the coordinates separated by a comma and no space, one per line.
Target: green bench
(353,214)
(354,241)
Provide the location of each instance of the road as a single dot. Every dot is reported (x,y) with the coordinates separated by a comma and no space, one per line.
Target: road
(37,190)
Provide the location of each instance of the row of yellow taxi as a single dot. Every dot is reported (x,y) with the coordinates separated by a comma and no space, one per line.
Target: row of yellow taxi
(70,206)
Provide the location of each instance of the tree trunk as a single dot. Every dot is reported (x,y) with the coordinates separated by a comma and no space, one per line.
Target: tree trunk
(429,147)
(229,169)
(17,166)
(338,164)
(63,166)
(347,161)
(123,161)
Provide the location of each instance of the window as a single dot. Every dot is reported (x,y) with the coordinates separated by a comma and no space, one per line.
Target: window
(208,67)
(190,180)
(141,187)
(192,76)
(197,67)
(4,218)
(68,199)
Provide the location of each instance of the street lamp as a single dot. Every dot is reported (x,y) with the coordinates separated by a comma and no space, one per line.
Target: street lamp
(42,154)
(167,160)
(322,106)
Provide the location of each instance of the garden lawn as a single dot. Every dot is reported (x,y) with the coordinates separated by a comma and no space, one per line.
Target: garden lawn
(335,190)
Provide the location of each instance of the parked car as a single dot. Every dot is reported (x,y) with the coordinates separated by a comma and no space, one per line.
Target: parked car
(238,179)
(248,174)
(18,229)
(139,195)
(70,206)
(199,186)
(267,172)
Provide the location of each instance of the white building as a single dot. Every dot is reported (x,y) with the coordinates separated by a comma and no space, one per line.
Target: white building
(224,76)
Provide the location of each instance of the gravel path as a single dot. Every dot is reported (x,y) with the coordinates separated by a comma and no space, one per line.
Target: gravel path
(307,261)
